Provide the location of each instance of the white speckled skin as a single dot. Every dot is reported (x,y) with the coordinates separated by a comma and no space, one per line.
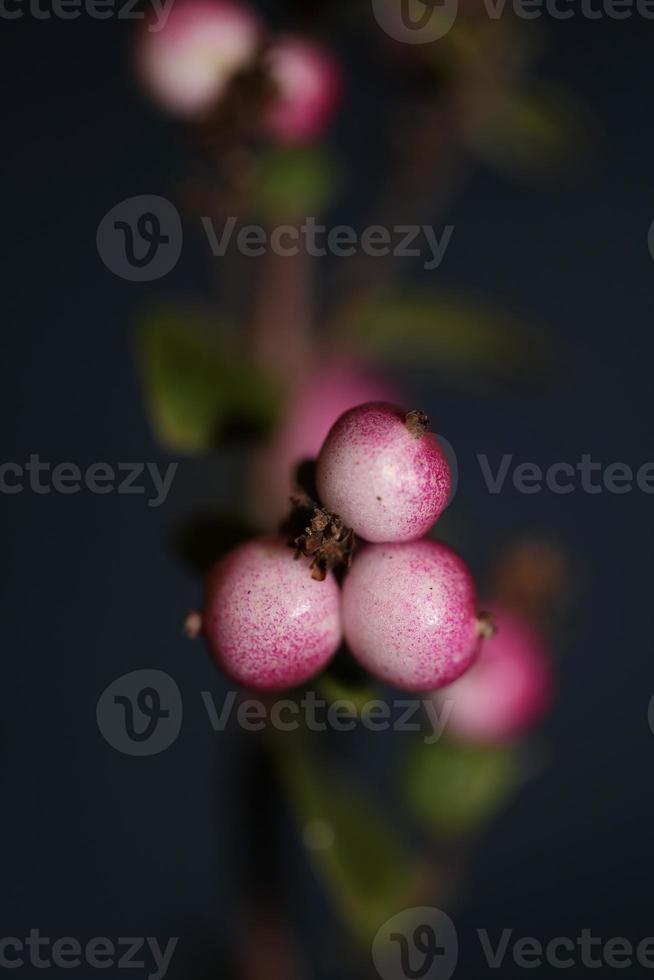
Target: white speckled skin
(269,625)
(409,614)
(382,481)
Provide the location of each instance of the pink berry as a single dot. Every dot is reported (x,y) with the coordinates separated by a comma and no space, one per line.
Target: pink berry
(507,690)
(409,613)
(270,625)
(312,409)
(308,90)
(383,473)
(188,63)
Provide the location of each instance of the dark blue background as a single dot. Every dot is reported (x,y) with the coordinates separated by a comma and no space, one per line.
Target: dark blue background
(95,843)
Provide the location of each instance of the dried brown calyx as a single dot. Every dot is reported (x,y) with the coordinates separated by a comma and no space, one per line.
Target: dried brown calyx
(315,532)
(327,541)
(193,625)
(417,423)
(229,131)
(486,627)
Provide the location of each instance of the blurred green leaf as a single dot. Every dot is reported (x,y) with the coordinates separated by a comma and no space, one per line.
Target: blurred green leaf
(533,132)
(364,868)
(449,331)
(293,183)
(197,389)
(345,680)
(334,689)
(454,788)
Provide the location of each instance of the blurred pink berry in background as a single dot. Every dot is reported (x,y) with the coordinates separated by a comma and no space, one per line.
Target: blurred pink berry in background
(509,687)
(188,63)
(309,87)
(328,391)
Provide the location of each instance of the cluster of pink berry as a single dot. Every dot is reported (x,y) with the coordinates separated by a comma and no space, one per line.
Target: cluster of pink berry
(407,606)
(190,64)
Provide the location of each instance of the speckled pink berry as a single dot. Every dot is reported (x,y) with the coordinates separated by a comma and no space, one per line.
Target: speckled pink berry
(409,614)
(269,625)
(507,690)
(308,89)
(187,63)
(384,473)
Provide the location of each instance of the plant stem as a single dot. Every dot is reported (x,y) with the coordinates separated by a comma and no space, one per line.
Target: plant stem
(280,329)
(266,949)
(279,341)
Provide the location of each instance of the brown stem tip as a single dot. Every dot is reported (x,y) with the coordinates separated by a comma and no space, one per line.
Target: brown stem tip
(193,625)
(486,627)
(417,423)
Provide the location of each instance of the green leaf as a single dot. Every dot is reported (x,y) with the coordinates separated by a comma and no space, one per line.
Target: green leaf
(537,132)
(453,332)
(345,680)
(363,866)
(455,788)
(293,183)
(333,689)
(197,389)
